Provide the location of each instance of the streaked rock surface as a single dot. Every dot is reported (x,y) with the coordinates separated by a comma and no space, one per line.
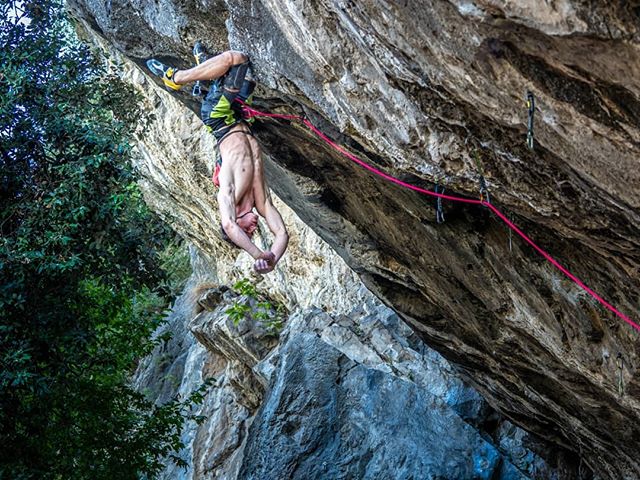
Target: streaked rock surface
(422,90)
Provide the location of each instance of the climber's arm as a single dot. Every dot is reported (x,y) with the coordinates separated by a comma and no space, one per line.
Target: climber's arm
(226,204)
(265,207)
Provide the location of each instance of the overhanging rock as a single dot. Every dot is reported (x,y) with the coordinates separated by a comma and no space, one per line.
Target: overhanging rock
(428,91)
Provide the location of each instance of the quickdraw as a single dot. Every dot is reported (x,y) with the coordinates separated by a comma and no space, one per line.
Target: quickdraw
(510,234)
(620,365)
(484,190)
(198,53)
(197,89)
(439,211)
(531,105)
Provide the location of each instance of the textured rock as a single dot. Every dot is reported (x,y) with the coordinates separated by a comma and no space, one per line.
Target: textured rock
(373,339)
(415,393)
(328,417)
(420,89)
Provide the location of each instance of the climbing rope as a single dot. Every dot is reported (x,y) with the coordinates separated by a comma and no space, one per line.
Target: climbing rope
(250,113)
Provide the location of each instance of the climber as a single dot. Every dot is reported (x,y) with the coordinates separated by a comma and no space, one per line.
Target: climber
(239,173)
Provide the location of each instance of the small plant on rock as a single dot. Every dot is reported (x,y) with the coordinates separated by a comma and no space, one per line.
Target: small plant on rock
(257,307)
(245,287)
(237,312)
(271,317)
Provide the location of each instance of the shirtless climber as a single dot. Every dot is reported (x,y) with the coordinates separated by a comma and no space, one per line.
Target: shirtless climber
(239,173)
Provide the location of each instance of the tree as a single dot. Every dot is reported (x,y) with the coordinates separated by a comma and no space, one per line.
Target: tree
(78,258)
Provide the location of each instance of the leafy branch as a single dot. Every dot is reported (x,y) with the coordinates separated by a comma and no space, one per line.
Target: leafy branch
(255,306)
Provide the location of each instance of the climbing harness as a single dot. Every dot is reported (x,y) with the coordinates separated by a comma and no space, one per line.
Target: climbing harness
(620,364)
(439,210)
(531,105)
(250,113)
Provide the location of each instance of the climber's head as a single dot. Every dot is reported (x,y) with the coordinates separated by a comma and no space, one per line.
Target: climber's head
(248,222)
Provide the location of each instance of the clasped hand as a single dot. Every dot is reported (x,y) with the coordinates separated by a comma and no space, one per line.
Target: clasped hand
(265,263)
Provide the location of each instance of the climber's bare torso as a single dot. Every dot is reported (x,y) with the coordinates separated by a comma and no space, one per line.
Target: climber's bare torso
(243,187)
(242,173)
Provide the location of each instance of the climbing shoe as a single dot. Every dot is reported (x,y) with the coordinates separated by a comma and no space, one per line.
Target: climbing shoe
(165,72)
(199,53)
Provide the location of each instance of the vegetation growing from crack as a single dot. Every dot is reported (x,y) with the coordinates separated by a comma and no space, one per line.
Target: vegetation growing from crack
(257,307)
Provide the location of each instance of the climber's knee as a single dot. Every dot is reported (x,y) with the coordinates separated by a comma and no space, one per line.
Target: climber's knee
(235,77)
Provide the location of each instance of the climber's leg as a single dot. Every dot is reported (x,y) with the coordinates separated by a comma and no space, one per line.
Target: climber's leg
(210,69)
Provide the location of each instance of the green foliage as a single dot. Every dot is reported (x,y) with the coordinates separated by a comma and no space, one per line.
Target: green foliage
(256,307)
(272,317)
(80,264)
(175,261)
(245,287)
(238,312)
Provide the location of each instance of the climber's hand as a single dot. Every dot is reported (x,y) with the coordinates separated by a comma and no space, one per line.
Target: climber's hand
(265,263)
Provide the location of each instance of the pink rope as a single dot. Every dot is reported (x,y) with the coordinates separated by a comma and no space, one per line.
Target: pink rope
(256,113)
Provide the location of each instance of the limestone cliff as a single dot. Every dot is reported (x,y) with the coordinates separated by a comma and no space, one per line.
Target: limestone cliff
(432,91)
(349,392)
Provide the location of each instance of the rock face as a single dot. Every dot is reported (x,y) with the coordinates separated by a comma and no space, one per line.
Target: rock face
(434,91)
(332,396)
(314,428)
(327,415)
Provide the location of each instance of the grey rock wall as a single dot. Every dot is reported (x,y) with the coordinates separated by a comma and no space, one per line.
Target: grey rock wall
(423,90)
(328,417)
(332,396)
(350,397)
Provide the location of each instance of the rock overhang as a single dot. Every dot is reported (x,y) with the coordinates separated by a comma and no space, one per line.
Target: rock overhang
(427,92)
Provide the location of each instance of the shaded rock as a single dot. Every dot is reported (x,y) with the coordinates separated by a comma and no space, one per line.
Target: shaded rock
(327,417)
(210,298)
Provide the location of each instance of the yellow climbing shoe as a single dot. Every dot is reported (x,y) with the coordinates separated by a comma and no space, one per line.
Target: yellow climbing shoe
(165,72)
